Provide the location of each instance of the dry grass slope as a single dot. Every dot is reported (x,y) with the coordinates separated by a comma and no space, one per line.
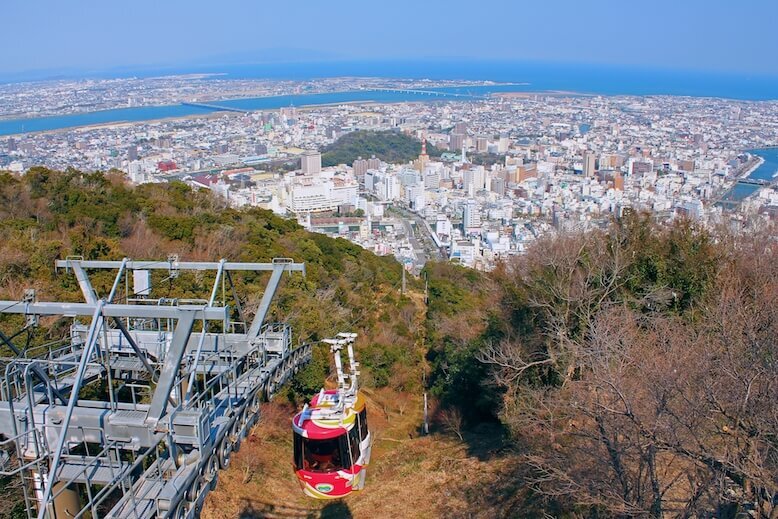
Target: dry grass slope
(409,476)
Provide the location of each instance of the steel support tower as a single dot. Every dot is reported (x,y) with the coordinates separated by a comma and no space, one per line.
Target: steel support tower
(134,413)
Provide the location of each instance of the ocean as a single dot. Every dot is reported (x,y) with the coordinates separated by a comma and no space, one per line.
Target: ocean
(527,77)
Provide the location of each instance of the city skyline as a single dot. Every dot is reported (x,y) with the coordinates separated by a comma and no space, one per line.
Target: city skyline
(56,38)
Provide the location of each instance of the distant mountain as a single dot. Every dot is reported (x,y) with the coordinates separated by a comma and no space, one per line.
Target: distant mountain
(389,146)
(274,55)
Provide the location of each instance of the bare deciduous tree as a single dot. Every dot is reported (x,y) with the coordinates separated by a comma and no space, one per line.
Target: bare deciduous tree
(628,408)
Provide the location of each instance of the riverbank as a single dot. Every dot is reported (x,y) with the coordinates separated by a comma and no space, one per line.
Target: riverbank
(764,167)
(154,113)
(749,170)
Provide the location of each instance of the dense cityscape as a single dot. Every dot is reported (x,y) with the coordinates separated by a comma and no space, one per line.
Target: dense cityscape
(338,260)
(514,166)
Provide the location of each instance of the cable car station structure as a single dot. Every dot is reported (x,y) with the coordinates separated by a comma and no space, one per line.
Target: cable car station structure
(134,414)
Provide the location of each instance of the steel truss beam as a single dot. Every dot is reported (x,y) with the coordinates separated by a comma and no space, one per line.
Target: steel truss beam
(289,265)
(223,378)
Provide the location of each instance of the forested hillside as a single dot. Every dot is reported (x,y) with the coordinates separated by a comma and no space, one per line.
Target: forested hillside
(636,369)
(631,372)
(389,146)
(46,215)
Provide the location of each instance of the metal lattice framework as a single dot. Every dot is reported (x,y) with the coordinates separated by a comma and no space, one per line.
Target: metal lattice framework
(134,413)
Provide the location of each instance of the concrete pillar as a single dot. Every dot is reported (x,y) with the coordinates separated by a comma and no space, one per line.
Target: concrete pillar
(68,503)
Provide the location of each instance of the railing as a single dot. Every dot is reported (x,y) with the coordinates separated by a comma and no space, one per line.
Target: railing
(124,480)
(106,449)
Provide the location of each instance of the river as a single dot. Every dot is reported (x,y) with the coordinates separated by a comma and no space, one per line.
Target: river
(765,171)
(147,113)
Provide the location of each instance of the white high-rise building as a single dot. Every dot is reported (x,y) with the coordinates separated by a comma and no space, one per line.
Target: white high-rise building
(345,194)
(443,225)
(415,196)
(311,163)
(371,179)
(473,179)
(503,144)
(589,164)
(471,219)
(312,198)
(479,178)
(388,188)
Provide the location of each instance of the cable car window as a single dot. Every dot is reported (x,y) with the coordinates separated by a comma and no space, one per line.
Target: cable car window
(322,455)
(345,451)
(353,438)
(363,423)
(298,451)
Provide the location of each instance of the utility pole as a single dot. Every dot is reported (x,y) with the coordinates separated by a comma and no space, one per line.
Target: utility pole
(403,289)
(426,422)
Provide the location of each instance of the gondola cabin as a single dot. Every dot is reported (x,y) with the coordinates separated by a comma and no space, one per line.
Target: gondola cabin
(331,438)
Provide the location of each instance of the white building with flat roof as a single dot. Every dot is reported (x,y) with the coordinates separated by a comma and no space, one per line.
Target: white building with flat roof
(310,163)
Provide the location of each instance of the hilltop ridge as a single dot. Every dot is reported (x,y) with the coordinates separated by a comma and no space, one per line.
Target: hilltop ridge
(389,146)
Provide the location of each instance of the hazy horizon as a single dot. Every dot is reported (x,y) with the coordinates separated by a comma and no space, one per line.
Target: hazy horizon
(50,38)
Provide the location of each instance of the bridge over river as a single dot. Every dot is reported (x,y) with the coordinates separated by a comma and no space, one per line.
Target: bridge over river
(218,108)
(759,173)
(435,93)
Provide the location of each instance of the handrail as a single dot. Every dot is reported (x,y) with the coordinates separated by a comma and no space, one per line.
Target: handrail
(94,459)
(26,465)
(77,442)
(107,489)
(97,319)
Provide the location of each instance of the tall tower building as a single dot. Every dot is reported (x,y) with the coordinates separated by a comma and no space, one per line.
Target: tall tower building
(503,144)
(471,219)
(360,167)
(373,163)
(423,159)
(311,163)
(456,141)
(618,182)
(589,164)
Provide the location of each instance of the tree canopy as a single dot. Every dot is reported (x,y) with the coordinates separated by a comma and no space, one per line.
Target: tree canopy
(634,367)
(389,146)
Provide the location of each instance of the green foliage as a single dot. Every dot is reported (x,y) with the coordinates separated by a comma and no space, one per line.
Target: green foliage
(380,360)
(94,200)
(485,159)
(389,146)
(309,380)
(459,379)
(458,325)
(48,215)
(174,227)
(557,287)
(683,259)
(452,288)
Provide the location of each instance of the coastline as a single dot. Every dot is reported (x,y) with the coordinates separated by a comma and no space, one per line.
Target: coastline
(211,113)
(440,89)
(207,115)
(250,95)
(549,93)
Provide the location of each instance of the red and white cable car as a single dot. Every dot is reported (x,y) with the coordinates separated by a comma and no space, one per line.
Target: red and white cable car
(331,440)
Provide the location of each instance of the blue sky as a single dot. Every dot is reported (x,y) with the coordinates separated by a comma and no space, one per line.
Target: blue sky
(90,35)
